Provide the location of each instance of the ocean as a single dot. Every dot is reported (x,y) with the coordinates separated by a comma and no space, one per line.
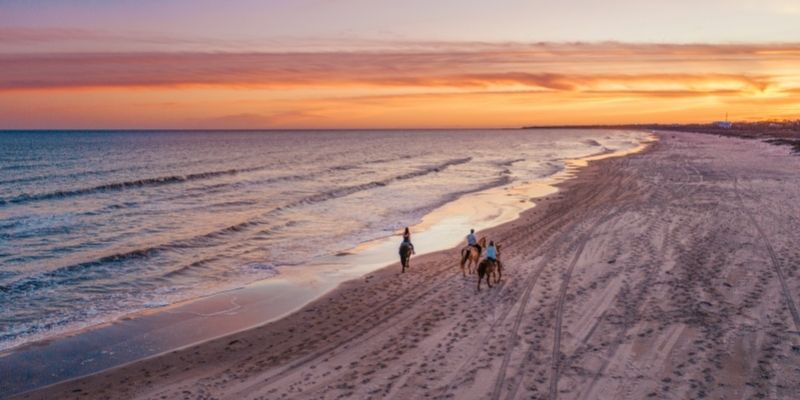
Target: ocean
(95,225)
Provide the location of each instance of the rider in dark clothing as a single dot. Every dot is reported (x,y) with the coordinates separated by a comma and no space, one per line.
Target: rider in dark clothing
(407,239)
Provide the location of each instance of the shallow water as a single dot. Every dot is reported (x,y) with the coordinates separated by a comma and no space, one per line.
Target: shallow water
(94,225)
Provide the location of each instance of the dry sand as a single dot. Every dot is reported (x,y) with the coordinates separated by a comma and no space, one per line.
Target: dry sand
(672,273)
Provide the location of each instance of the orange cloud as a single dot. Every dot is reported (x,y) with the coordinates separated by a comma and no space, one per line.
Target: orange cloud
(559,67)
(417,84)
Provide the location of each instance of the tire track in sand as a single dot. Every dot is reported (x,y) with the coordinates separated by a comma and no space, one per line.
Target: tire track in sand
(546,226)
(555,366)
(549,224)
(498,386)
(556,356)
(597,195)
(679,189)
(787,295)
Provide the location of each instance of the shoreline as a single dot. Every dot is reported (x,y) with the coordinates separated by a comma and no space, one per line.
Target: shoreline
(633,281)
(164,327)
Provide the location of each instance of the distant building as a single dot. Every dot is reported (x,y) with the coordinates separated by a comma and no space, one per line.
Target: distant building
(723,124)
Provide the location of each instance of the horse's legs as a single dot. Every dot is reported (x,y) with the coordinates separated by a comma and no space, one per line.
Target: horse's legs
(473,263)
(499,271)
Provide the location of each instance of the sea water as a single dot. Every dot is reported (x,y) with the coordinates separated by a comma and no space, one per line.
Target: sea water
(99,224)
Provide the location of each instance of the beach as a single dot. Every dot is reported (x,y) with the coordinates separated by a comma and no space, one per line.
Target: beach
(669,273)
(119,223)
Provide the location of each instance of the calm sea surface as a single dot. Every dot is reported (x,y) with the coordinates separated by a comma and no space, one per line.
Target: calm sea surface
(94,225)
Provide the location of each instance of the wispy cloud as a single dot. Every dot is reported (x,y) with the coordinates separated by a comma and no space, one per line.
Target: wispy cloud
(486,83)
(26,36)
(569,67)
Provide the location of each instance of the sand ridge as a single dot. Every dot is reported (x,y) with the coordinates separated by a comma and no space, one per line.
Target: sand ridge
(673,273)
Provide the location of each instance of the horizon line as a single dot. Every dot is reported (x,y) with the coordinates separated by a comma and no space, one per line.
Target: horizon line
(523,127)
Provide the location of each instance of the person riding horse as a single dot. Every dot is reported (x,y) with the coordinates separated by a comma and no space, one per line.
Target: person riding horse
(406,249)
(471,253)
(473,241)
(491,252)
(407,239)
(490,266)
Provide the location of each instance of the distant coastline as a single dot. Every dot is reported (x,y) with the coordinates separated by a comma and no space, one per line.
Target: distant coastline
(783,132)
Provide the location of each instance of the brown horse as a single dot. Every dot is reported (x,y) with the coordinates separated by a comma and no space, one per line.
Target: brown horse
(405,255)
(488,268)
(470,256)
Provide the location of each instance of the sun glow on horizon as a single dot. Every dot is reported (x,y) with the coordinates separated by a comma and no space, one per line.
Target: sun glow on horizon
(177,73)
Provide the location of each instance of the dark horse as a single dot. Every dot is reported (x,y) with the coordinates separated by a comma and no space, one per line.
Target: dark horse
(405,254)
(488,268)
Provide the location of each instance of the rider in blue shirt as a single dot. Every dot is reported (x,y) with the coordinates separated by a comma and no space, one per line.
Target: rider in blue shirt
(472,240)
(491,252)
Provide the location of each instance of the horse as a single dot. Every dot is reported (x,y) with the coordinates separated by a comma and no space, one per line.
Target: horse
(405,255)
(488,268)
(471,255)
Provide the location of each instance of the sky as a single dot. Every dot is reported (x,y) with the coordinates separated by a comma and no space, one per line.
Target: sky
(92,64)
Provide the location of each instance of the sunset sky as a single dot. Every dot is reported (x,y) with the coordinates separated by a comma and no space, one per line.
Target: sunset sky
(394,64)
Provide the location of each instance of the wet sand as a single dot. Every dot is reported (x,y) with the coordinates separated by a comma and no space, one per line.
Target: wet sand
(672,273)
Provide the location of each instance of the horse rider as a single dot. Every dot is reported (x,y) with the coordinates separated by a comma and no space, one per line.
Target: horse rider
(472,240)
(407,239)
(491,252)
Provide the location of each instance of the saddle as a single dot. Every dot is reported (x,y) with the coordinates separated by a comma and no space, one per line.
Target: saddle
(472,246)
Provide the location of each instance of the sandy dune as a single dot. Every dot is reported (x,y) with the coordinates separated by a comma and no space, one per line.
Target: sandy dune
(672,273)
